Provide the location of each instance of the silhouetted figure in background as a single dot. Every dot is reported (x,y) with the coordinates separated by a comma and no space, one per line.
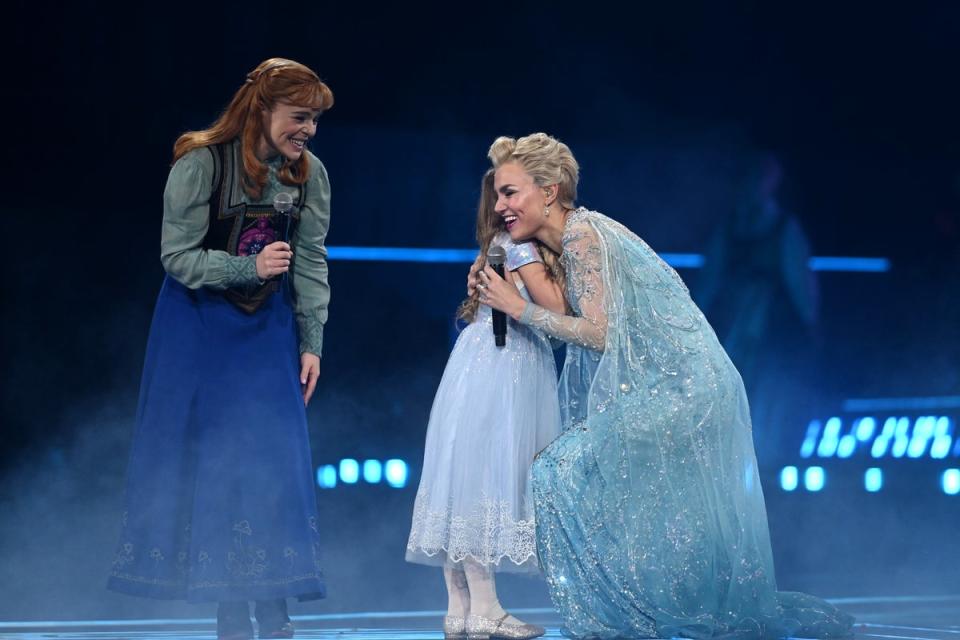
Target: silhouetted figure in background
(943,275)
(757,289)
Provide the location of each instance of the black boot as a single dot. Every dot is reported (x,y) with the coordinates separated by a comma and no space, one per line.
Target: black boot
(233,621)
(272,619)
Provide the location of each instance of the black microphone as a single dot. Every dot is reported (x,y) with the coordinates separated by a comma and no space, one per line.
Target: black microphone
(496,256)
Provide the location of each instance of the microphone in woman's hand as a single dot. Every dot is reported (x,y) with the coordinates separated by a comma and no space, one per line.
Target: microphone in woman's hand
(283,204)
(496,256)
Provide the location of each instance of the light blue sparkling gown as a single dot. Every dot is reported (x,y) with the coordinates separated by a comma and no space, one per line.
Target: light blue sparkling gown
(495,408)
(650,516)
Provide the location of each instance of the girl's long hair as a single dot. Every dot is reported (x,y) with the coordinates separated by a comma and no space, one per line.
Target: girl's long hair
(489,224)
(274,80)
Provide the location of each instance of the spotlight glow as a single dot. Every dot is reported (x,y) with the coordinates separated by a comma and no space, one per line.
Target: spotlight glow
(951,482)
(327,476)
(848,444)
(923,429)
(916,437)
(940,447)
(810,440)
(942,439)
(831,438)
(814,478)
(865,429)
(901,439)
(349,471)
(372,471)
(789,478)
(873,480)
(882,443)
(396,472)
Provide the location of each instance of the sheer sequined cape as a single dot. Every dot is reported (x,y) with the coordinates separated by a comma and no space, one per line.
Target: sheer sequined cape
(650,516)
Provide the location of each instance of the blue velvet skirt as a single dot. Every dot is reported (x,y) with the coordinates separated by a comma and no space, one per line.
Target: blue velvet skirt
(220,501)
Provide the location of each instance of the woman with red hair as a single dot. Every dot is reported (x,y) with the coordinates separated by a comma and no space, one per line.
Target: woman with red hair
(220,502)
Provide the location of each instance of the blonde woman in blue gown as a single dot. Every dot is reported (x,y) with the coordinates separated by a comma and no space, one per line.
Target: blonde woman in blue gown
(649,511)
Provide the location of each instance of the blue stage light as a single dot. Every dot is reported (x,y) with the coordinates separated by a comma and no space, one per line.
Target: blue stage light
(372,471)
(810,440)
(848,444)
(349,471)
(882,443)
(951,482)
(873,479)
(401,254)
(944,426)
(942,438)
(900,436)
(327,476)
(923,431)
(683,260)
(831,438)
(789,478)
(865,428)
(396,472)
(901,439)
(676,260)
(814,478)
(836,263)
(934,403)
(940,447)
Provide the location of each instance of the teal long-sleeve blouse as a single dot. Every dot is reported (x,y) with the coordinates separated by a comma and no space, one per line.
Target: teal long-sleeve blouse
(186,218)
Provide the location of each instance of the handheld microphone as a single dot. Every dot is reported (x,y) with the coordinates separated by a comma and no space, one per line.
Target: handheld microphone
(496,256)
(283,204)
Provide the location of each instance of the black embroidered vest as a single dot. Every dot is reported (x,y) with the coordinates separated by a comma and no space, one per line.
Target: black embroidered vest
(243,229)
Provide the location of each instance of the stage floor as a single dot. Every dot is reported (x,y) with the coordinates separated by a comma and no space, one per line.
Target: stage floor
(881,618)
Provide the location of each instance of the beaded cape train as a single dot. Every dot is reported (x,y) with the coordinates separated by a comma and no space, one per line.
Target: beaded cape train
(650,516)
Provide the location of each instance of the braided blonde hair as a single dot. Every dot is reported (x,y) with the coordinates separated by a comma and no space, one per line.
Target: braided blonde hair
(546,159)
(489,224)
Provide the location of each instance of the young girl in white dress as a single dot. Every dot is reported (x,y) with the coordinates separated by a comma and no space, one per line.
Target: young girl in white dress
(495,409)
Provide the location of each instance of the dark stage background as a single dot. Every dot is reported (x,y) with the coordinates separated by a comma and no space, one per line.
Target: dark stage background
(665,107)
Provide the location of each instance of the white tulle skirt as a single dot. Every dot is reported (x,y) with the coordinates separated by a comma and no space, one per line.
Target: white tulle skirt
(495,409)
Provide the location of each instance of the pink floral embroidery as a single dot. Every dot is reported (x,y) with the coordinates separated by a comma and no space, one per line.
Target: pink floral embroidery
(252,241)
